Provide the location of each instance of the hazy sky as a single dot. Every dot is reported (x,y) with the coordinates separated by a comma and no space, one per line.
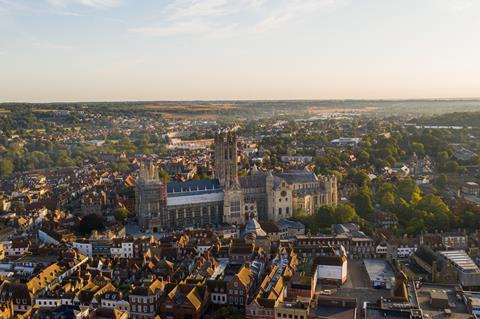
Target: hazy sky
(84,50)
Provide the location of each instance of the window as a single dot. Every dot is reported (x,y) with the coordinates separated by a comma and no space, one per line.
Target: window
(280,211)
(235,207)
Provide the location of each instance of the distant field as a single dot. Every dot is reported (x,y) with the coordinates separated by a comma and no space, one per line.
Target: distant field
(256,109)
(199,111)
(43,110)
(323,110)
(188,116)
(189,108)
(39,130)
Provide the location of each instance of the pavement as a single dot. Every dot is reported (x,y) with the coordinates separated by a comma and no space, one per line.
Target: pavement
(358,284)
(357,275)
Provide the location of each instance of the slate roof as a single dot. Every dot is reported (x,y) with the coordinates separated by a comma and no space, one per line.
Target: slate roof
(329,260)
(176,188)
(253,181)
(298,176)
(290,224)
(426,254)
(253,226)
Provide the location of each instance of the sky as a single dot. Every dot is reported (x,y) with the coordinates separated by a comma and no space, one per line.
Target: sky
(115,50)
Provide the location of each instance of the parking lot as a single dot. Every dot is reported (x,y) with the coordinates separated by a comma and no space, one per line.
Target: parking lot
(358,284)
(357,275)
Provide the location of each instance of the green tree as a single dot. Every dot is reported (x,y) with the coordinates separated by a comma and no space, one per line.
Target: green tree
(63,159)
(363,202)
(227,313)
(387,201)
(415,226)
(439,215)
(344,213)
(17,207)
(418,148)
(451,166)
(325,217)
(358,177)
(384,188)
(164,175)
(442,157)
(363,157)
(408,190)
(441,181)
(121,214)
(91,222)
(122,165)
(6,167)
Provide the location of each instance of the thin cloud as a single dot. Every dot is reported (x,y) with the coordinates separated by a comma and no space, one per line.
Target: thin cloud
(293,10)
(227,18)
(100,4)
(461,5)
(179,28)
(47,45)
(66,13)
(183,9)
(8,6)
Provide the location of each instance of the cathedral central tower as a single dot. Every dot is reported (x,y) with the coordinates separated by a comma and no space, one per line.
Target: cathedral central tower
(226,170)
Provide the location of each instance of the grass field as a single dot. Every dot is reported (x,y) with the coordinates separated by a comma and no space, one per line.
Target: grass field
(43,110)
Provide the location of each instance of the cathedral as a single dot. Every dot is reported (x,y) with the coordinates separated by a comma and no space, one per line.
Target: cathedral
(228,198)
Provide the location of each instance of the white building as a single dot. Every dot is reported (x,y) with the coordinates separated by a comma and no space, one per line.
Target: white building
(331,269)
(16,248)
(84,247)
(122,248)
(344,141)
(405,251)
(114,300)
(218,291)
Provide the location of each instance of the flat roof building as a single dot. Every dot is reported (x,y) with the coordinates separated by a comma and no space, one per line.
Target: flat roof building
(468,271)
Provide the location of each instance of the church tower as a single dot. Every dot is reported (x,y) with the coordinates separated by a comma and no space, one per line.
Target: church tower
(150,199)
(226,170)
